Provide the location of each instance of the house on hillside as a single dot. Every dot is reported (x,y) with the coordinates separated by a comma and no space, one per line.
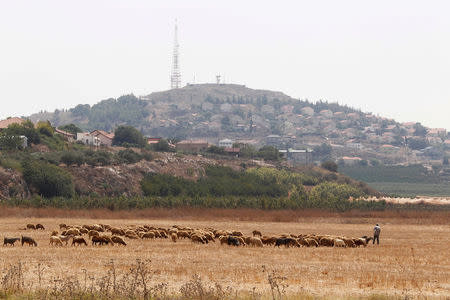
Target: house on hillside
(350,161)
(192,145)
(104,137)
(5,123)
(226,143)
(88,139)
(298,157)
(153,140)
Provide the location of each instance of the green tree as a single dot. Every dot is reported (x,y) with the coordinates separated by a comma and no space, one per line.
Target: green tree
(128,135)
(72,128)
(27,129)
(420,130)
(45,128)
(49,180)
(10,142)
(268,153)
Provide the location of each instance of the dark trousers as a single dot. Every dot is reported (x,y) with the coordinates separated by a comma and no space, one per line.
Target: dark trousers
(376,237)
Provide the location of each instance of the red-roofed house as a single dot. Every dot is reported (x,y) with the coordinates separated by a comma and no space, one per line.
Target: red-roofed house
(105,138)
(66,135)
(5,123)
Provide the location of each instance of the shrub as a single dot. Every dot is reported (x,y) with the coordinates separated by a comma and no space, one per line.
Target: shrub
(70,158)
(49,180)
(330,166)
(129,156)
(45,128)
(162,146)
(27,129)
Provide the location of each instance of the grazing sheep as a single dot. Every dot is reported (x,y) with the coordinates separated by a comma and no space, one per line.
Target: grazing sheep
(54,240)
(326,241)
(132,236)
(237,233)
(28,240)
(256,232)
(312,242)
(40,226)
(247,239)
(233,241)
(223,239)
(359,242)
(73,231)
(302,241)
(118,240)
(173,236)
(148,235)
(209,236)
(10,241)
(54,233)
(83,230)
(241,240)
(287,242)
(182,234)
(31,226)
(100,240)
(269,240)
(368,239)
(198,239)
(338,243)
(66,238)
(117,231)
(62,226)
(349,242)
(92,233)
(254,241)
(78,240)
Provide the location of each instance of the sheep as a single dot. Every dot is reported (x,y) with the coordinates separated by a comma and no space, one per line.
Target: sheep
(84,230)
(256,232)
(54,233)
(73,231)
(223,239)
(254,241)
(132,236)
(28,240)
(118,240)
(359,242)
(78,240)
(182,234)
(302,241)
(312,242)
(62,226)
(269,240)
(9,241)
(338,243)
(326,241)
(54,240)
(40,226)
(31,226)
(92,233)
(173,236)
(117,231)
(286,242)
(234,241)
(241,240)
(66,238)
(349,242)
(209,236)
(148,235)
(198,239)
(237,233)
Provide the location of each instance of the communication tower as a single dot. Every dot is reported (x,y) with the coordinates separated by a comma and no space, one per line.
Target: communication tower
(175,78)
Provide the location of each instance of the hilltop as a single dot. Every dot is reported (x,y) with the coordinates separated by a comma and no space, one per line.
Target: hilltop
(262,117)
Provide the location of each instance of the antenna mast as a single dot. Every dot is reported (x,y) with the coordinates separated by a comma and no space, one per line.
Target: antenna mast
(175,78)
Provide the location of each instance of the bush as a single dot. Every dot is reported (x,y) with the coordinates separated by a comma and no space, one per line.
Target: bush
(268,153)
(70,158)
(71,128)
(129,156)
(162,146)
(27,129)
(45,128)
(330,166)
(49,180)
(95,158)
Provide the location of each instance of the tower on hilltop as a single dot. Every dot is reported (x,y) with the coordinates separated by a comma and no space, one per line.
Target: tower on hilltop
(175,78)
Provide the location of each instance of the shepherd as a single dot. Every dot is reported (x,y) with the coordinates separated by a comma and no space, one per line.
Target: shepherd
(376,234)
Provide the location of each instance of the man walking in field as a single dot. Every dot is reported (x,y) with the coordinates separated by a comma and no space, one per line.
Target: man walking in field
(376,234)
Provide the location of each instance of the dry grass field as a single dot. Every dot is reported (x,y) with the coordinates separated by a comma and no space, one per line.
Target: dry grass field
(413,259)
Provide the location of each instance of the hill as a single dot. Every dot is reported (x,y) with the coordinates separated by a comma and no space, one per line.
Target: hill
(216,111)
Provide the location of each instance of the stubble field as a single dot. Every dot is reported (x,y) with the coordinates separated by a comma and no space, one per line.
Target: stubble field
(412,260)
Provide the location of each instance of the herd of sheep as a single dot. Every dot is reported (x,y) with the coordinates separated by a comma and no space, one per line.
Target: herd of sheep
(102,234)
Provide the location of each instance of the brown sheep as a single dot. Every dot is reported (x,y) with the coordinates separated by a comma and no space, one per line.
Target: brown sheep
(78,240)
(62,226)
(54,233)
(54,240)
(173,236)
(92,233)
(312,242)
(182,234)
(254,241)
(28,240)
(117,231)
(223,239)
(326,241)
(269,240)
(118,240)
(132,236)
(198,239)
(83,230)
(256,232)
(40,226)
(73,231)
(359,242)
(31,226)
(148,235)
(241,240)
(237,233)
(349,242)
(9,241)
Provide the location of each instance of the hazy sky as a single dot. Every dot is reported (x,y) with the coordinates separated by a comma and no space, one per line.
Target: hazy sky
(387,57)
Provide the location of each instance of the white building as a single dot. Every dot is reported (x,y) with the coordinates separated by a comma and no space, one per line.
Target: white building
(88,139)
(226,143)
